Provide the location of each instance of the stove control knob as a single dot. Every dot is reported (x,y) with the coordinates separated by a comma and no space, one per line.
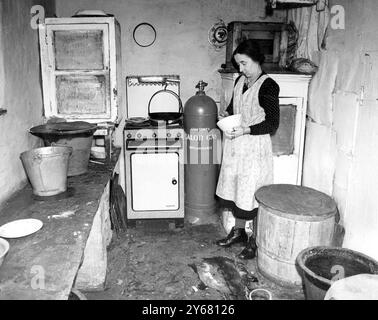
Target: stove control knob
(174,181)
(168,134)
(129,135)
(154,135)
(178,134)
(139,135)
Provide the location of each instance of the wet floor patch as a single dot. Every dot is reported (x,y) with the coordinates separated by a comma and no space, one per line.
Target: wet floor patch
(228,276)
(158,264)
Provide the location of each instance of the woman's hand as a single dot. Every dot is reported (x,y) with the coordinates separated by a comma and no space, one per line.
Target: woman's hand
(223,114)
(237,132)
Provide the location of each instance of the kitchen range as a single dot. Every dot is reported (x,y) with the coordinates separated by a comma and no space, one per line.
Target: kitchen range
(154,150)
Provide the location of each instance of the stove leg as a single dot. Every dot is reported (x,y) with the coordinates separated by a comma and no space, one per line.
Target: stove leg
(179,223)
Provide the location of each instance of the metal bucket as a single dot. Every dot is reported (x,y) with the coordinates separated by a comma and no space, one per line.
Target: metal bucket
(76,134)
(47,169)
(81,151)
(321,266)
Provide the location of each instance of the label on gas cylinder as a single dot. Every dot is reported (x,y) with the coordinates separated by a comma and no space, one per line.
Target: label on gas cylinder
(203,146)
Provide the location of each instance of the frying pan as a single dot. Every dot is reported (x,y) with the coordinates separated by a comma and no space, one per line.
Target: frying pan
(165,116)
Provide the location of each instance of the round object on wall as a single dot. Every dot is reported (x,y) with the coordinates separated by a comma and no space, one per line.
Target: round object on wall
(218,34)
(144,34)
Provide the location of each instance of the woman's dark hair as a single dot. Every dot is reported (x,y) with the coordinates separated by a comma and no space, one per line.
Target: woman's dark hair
(250,48)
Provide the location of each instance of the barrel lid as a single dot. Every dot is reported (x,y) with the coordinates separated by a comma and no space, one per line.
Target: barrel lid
(296,200)
(64,128)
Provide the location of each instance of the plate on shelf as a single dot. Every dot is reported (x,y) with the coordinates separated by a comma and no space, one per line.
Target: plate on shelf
(20,228)
(95,13)
(137,119)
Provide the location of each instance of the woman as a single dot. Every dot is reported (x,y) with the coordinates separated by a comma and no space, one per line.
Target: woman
(247,161)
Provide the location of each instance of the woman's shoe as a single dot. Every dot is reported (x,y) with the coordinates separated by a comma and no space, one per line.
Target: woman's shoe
(236,235)
(249,252)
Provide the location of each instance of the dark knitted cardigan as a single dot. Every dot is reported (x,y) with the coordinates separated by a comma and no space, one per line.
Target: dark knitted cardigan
(268,99)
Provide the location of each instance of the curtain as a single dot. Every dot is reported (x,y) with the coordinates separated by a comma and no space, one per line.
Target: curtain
(312,26)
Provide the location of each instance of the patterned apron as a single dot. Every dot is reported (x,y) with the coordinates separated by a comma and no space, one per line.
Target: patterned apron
(247,162)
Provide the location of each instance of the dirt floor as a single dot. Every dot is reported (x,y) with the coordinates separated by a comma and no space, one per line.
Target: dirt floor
(147,263)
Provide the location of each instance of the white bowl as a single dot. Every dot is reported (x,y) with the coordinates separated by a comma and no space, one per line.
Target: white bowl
(230,122)
(4,247)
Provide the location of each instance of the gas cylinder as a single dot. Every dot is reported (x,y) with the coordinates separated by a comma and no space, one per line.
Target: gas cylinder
(202,157)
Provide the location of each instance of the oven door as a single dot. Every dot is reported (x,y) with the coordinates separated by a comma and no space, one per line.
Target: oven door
(154,181)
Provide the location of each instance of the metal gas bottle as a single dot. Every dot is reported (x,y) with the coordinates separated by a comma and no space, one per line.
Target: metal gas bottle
(202,157)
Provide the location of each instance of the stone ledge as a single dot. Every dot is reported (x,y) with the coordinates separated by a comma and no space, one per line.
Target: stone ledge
(92,273)
(45,264)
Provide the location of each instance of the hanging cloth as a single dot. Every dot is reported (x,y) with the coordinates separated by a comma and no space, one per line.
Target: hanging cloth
(312,26)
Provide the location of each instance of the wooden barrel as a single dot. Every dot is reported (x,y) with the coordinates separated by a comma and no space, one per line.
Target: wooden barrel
(291,218)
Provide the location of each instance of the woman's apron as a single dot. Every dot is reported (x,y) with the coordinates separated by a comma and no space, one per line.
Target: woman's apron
(247,162)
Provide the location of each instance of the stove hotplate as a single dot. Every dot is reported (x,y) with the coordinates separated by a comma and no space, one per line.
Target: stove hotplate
(143,128)
(146,123)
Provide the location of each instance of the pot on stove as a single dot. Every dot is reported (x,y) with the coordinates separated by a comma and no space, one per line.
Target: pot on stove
(165,116)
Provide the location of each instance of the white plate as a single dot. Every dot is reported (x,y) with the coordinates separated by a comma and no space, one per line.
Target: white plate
(91,13)
(20,228)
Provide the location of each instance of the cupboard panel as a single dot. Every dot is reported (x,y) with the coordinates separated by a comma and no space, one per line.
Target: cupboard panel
(79,50)
(81,94)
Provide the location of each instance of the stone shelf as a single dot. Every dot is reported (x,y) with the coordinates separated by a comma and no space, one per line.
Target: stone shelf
(44,265)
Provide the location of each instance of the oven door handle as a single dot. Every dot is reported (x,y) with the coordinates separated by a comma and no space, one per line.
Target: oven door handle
(147,145)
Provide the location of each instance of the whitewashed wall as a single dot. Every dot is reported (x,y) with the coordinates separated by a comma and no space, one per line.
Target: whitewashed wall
(181,45)
(341,146)
(20,90)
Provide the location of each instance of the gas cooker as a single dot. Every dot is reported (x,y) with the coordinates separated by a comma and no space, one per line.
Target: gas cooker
(154,170)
